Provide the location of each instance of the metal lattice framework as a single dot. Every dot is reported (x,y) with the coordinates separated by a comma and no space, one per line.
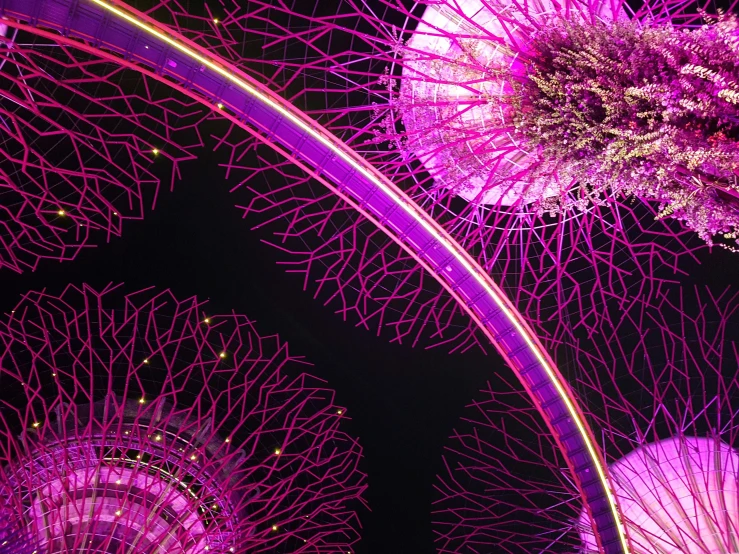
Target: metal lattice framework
(661,384)
(86,145)
(547,288)
(191,69)
(548,264)
(141,423)
(348,67)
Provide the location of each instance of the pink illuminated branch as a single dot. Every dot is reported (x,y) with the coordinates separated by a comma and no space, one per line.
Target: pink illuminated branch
(138,421)
(555,301)
(346,66)
(85,146)
(660,384)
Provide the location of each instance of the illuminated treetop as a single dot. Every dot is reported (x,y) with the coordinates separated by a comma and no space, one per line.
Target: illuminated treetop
(142,422)
(659,387)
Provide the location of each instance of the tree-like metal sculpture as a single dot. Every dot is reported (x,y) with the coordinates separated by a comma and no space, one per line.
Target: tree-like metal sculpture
(411,86)
(438,95)
(85,146)
(660,387)
(141,423)
(126,36)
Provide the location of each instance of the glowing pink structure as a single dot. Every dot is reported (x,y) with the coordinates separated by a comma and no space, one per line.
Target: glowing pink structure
(446,240)
(660,386)
(114,30)
(389,78)
(85,146)
(141,423)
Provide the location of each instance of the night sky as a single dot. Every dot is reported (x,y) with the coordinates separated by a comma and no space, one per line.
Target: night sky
(403,402)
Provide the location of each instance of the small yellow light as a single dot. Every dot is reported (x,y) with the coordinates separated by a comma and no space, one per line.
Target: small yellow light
(215,506)
(62,212)
(228,440)
(158,438)
(278,451)
(193,457)
(36,424)
(220,106)
(115,213)
(146,360)
(155,151)
(206,320)
(274,527)
(53,374)
(215,20)
(118,482)
(222,354)
(141,400)
(118,512)
(339,412)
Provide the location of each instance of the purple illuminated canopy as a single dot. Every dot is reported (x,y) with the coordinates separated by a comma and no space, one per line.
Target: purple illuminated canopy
(140,421)
(660,386)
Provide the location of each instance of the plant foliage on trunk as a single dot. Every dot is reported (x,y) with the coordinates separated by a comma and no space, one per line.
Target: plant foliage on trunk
(627,109)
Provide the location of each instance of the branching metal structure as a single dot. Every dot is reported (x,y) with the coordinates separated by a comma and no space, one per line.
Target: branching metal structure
(660,386)
(318,114)
(142,423)
(86,145)
(358,69)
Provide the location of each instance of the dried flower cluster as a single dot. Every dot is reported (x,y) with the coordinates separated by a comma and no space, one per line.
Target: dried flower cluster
(597,110)
(637,110)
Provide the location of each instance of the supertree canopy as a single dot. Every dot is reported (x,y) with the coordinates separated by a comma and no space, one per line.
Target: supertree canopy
(607,107)
(563,175)
(452,101)
(141,423)
(343,98)
(409,88)
(660,386)
(680,495)
(366,72)
(86,144)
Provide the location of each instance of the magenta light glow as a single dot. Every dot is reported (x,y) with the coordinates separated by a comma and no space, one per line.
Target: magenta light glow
(371,89)
(138,422)
(659,385)
(678,496)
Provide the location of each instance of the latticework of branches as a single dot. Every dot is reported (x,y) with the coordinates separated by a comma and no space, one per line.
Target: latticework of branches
(142,421)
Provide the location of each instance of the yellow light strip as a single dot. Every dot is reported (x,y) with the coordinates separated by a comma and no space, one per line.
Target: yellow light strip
(428,224)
